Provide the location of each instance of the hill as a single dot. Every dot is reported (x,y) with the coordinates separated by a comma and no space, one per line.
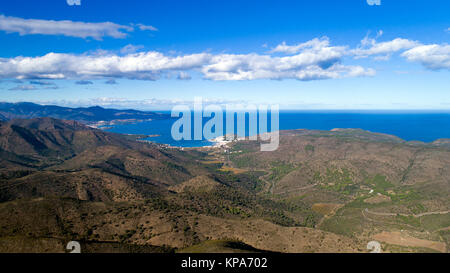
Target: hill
(68,159)
(61,180)
(321,191)
(362,183)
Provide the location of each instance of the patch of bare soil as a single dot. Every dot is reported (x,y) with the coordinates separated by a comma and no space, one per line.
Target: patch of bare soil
(379,198)
(325,208)
(402,239)
(233,170)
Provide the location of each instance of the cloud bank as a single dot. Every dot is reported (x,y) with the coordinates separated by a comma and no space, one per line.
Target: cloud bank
(313,60)
(316,59)
(434,57)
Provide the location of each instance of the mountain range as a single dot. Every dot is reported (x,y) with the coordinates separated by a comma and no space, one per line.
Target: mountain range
(27,110)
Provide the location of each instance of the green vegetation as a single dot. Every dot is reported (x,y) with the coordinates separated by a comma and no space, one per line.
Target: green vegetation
(338,180)
(416,208)
(379,184)
(245,161)
(244,148)
(347,221)
(406,197)
(309,148)
(225,201)
(409,220)
(280,169)
(436,222)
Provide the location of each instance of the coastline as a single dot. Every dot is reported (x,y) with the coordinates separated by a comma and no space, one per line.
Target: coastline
(407,127)
(102,124)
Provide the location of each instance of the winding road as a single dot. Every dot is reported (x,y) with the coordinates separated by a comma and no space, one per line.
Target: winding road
(407,215)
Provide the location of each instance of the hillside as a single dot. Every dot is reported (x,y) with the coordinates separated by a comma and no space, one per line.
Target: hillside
(68,159)
(59,176)
(362,183)
(321,191)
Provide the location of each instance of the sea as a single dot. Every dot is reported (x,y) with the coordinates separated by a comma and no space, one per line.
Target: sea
(425,126)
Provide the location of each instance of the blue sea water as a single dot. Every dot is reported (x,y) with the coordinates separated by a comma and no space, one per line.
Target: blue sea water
(419,125)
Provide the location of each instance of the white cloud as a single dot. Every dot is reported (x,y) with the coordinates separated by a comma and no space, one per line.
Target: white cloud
(131,49)
(146,27)
(74,2)
(383,50)
(313,44)
(434,57)
(380,33)
(374,2)
(69,28)
(312,60)
(144,65)
(304,66)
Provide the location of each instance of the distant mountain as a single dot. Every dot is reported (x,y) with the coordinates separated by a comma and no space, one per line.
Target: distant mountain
(27,110)
(45,138)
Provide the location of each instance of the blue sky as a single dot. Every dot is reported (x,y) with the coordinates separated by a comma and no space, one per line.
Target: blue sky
(299,54)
